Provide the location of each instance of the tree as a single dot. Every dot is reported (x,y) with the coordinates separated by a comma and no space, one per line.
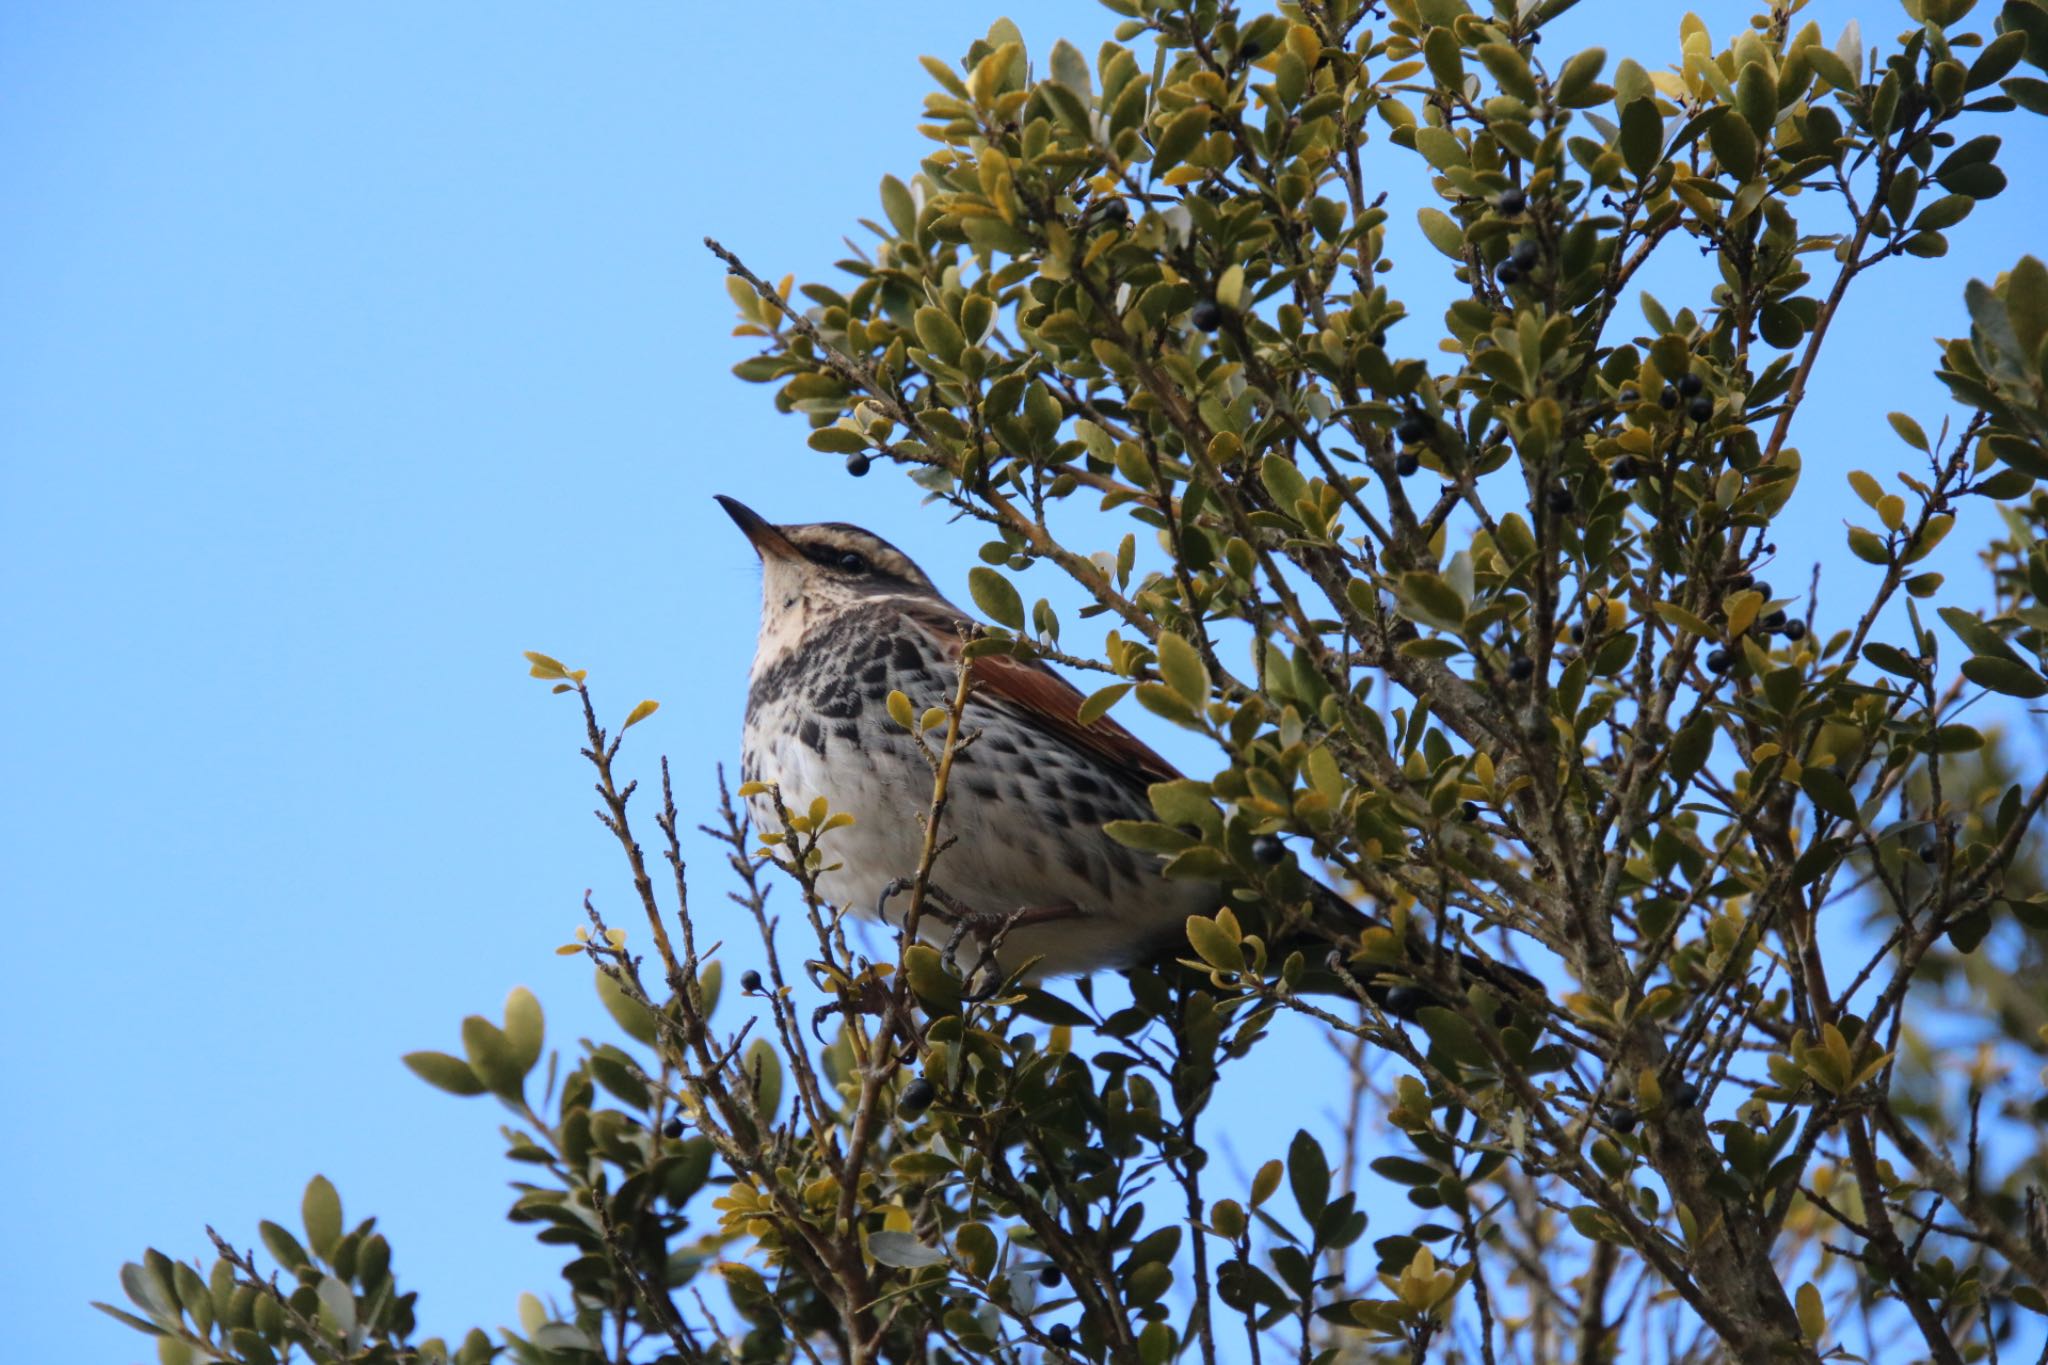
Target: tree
(1475,615)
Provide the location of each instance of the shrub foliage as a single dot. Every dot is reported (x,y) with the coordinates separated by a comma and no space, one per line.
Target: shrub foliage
(1483,610)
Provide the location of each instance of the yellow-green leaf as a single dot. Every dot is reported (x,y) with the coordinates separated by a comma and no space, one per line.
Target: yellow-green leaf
(1096,705)
(1182,669)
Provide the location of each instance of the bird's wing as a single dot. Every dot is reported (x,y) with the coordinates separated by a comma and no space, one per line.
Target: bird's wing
(1049,700)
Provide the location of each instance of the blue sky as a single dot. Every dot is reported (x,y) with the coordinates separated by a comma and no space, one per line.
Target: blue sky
(347,352)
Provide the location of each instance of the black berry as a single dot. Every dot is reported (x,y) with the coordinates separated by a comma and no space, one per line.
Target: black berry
(1668,398)
(1049,1276)
(1522,668)
(1684,1096)
(1249,50)
(1558,500)
(1525,254)
(1773,621)
(1624,1120)
(1110,213)
(1631,394)
(672,1129)
(1689,384)
(1416,426)
(1929,852)
(1763,589)
(1268,849)
(1206,315)
(1471,811)
(1578,634)
(1406,1000)
(1795,631)
(750,981)
(1700,409)
(1719,659)
(1511,202)
(1738,581)
(916,1097)
(1508,274)
(1623,468)
(1379,338)
(1060,1334)
(1406,463)
(857,464)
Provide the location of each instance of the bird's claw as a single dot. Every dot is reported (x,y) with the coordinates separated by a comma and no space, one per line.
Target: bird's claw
(895,887)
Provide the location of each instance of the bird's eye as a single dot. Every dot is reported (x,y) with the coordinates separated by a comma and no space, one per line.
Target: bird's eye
(852,562)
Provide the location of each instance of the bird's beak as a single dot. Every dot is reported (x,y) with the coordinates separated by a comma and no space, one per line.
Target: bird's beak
(766,539)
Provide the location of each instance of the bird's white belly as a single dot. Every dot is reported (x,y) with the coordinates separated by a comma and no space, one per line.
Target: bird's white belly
(1024,817)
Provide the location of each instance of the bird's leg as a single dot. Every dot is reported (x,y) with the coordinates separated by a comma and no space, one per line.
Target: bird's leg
(992,930)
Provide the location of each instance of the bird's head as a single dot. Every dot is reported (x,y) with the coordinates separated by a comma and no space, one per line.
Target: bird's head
(811,572)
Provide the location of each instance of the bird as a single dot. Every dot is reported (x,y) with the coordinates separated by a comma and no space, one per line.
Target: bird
(1030,883)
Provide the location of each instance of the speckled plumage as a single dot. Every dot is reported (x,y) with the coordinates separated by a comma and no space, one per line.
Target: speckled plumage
(1028,798)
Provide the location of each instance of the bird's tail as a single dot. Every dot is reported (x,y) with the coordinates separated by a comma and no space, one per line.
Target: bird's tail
(1348,950)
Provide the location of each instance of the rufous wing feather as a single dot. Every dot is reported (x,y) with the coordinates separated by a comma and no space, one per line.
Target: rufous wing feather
(1054,704)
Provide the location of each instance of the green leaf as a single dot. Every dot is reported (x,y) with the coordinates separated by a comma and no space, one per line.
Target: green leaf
(939,334)
(1431,600)
(836,440)
(903,1251)
(444,1072)
(282,1246)
(492,1058)
(1446,64)
(1577,78)
(1831,68)
(1642,136)
(1681,618)
(1892,659)
(1148,836)
(1442,232)
(1952,739)
(929,979)
(320,1210)
(2004,675)
(899,206)
(525,1027)
(1756,96)
(1828,792)
(1509,67)
(1179,137)
(1403,1171)
(1308,1175)
(764,1073)
(1868,546)
(1813,1314)
(996,596)
(2026,303)
(634,1019)
(128,1319)
(1821,857)
(1734,145)
(1214,945)
(1981,638)
(1908,429)
(1182,669)
(1070,68)
(1596,1225)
